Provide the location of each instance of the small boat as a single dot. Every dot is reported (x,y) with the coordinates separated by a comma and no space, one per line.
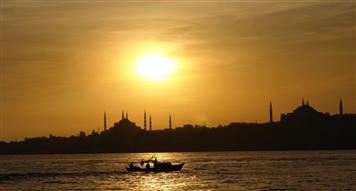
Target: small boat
(152,165)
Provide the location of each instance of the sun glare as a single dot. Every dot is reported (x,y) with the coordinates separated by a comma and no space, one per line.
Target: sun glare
(155,67)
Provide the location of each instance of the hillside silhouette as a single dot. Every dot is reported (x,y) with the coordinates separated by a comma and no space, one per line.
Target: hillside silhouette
(304,128)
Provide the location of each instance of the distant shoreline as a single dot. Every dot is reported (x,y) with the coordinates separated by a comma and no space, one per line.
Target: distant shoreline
(303,129)
(206,151)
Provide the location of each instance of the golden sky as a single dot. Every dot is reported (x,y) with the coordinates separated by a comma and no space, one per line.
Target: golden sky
(63,63)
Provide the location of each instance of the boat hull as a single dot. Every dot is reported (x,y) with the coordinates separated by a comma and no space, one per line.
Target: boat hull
(158,168)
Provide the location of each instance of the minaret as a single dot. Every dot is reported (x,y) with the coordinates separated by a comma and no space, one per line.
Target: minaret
(307,103)
(303,101)
(104,121)
(170,121)
(341,108)
(270,113)
(122,115)
(144,121)
(150,123)
(127,115)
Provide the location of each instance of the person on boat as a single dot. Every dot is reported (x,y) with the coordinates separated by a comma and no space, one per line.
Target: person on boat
(155,162)
(131,165)
(147,166)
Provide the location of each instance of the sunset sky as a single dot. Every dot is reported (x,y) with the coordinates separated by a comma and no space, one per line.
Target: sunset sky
(63,63)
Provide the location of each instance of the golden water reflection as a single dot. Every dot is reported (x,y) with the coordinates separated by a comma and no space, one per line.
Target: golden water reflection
(282,170)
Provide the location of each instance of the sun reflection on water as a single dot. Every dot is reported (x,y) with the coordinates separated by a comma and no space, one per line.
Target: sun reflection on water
(202,171)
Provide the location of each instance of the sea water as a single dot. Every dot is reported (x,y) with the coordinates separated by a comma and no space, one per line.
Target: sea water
(260,170)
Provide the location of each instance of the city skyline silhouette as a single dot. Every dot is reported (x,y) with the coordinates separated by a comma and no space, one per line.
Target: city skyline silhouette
(304,128)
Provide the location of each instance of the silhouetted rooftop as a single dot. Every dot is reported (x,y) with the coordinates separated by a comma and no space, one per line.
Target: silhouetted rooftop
(305,109)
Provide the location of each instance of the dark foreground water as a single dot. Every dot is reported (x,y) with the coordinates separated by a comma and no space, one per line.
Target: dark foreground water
(292,170)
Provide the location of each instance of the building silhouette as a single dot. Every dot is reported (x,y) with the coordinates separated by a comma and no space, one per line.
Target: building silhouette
(150,123)
(341,112)
(170,121)
(270,113)
(144,121)
(304,114)
(104,121)
(122,127)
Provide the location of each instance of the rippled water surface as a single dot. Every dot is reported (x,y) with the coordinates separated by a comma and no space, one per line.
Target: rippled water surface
(278,170)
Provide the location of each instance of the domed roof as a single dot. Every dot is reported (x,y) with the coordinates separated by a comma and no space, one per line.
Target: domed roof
(125,123)
(305,109)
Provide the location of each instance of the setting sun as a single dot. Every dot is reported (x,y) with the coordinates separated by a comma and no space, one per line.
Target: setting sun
(155,67)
